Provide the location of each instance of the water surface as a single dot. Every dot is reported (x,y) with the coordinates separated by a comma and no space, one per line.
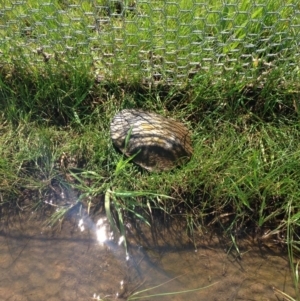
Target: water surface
(37,263)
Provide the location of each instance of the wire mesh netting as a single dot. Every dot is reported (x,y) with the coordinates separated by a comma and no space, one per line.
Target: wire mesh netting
(152,41)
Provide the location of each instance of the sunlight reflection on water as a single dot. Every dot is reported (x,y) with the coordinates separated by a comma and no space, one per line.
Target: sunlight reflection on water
(101,229)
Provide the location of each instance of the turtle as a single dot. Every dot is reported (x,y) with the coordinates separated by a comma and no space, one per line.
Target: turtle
(155,142)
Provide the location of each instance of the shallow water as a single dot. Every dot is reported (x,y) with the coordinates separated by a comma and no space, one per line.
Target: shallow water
(39,264)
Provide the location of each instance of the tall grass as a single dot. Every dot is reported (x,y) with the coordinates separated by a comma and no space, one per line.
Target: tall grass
(162,41)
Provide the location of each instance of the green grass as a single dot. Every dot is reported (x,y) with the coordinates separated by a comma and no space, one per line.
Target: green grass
(151,38)
(229,71)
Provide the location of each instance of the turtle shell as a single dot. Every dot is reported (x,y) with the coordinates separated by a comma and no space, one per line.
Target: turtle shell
(158,143)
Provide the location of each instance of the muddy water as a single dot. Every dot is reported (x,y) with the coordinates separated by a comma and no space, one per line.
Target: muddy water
(37,263)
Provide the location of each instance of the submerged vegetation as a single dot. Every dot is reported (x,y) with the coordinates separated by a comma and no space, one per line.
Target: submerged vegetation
(229,71)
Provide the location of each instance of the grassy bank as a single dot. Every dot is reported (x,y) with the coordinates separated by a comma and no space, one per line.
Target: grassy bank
(232,77)
(244,168)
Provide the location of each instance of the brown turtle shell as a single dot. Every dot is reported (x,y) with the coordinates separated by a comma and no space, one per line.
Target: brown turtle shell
(158,143)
